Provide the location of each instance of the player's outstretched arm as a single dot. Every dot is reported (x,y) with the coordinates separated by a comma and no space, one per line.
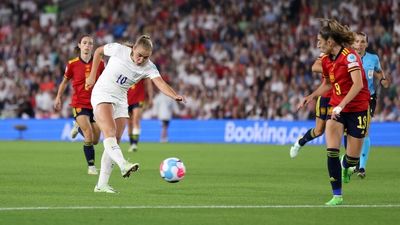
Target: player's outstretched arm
(317,66)
(167,90)
(323,88)
(61,89)
(97,57)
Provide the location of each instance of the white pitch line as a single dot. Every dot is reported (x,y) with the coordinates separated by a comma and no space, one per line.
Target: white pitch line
(193,207)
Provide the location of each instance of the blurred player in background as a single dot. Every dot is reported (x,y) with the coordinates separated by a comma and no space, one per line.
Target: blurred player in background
(77,70)
(349,100)
(164,108)
(321,111)
(126,66)
(136,102)
(372,68)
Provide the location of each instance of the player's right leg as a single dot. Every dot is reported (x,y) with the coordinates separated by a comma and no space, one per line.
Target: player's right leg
(105,173)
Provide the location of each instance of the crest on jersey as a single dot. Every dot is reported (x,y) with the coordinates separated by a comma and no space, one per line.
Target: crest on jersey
(351,57)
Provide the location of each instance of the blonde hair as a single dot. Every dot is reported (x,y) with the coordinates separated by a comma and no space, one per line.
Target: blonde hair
(144,41)
(341,34)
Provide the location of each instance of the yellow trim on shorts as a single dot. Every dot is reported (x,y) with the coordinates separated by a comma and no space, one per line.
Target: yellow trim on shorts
(317,107)
(368,118)
(74,113)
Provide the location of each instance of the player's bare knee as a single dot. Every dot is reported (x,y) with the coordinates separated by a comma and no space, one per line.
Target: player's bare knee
(318,131)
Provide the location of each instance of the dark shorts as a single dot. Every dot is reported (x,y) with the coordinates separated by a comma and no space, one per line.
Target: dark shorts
(83,111)
(134,106)
(322,108)
(372,104)
(165,123)
(355,123)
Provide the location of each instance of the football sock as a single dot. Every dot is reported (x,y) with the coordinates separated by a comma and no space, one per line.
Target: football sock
(345,141)
(80,131)
(349,161)
(88,149)
(135,136)
(334,170)
(308,136)
(365,152)
(105,170)
(113,150)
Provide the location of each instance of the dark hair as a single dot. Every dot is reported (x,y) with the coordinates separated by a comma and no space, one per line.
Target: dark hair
(341,34)
(77,50)
(145,41)
(362,34)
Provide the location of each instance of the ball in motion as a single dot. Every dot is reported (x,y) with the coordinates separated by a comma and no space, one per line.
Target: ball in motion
(172,170)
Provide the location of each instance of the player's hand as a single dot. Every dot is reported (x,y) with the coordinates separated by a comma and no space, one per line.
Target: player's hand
(57,104)
(89,82)
(180,98)
(304,102)
(336,112)
(386,82)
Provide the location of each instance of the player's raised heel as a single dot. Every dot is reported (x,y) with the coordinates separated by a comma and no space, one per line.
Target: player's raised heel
(92,170)
(361,173)
(133,148)
(129,168)
(105,189)
(74,130)
(294,150)
(336,200)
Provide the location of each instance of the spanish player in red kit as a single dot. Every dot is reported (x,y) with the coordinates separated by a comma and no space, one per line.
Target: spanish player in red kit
(77,70)
(136,102)
(350,102)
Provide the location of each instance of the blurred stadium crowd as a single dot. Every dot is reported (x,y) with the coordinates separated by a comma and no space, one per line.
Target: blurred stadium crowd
(231,58)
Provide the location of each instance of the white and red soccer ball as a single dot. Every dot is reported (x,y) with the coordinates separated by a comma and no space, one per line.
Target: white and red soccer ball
(172,170)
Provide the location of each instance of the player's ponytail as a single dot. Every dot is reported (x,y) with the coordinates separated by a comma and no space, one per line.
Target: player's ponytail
(341,34)
(144,41)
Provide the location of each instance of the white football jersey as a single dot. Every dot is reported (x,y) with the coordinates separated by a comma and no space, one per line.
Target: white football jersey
(120,74)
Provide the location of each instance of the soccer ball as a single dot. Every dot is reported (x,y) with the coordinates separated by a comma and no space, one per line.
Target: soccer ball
(172,170)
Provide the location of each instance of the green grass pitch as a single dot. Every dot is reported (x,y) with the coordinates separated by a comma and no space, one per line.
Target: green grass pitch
(46,183)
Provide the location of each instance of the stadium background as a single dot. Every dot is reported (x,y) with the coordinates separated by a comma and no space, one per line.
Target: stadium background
(232,59)
(243,65)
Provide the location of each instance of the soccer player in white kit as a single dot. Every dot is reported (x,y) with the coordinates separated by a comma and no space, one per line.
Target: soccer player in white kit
(126,66)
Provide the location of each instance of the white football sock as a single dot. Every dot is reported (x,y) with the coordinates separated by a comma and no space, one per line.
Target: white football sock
(136,131)
(105,170)
(113,150)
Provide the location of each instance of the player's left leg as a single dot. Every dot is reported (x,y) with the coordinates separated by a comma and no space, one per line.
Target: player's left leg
(127,168)
(356,126)
(334,132)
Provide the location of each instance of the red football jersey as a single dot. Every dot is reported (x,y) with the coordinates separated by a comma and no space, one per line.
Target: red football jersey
(78,70)
(136,93)
(326,63)
(338,73)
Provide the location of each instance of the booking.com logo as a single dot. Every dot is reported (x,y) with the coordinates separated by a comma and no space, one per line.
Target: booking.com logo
(264,133)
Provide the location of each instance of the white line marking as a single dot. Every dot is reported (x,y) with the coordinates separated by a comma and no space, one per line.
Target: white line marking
(193,207)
